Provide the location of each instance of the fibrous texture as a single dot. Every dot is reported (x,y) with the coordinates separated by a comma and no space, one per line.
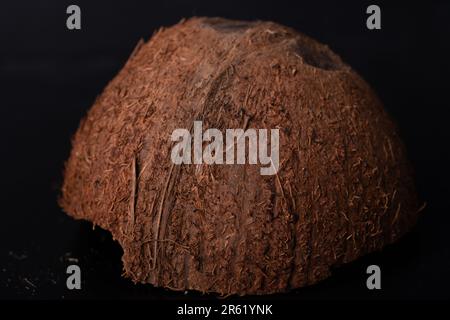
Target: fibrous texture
(343,188)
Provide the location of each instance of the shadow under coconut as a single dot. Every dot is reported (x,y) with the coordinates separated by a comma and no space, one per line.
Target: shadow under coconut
(100,260)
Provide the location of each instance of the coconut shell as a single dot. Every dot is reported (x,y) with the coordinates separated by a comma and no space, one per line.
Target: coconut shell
(344,187)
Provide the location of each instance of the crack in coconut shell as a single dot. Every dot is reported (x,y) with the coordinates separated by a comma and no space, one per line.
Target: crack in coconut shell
(344,187)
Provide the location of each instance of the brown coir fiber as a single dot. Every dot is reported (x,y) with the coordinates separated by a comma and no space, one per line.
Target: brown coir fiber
(344,186)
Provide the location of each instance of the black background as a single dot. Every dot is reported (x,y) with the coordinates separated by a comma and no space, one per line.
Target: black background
(49,77)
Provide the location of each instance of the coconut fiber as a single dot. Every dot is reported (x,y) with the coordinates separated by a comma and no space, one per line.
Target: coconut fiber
(343,188)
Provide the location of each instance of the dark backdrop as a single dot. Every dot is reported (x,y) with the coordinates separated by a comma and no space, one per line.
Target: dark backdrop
(49,77)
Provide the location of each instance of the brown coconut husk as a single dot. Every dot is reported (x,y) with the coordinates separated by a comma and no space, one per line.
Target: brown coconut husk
(344,186)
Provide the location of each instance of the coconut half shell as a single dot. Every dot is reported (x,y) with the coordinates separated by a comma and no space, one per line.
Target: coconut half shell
(344,187)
